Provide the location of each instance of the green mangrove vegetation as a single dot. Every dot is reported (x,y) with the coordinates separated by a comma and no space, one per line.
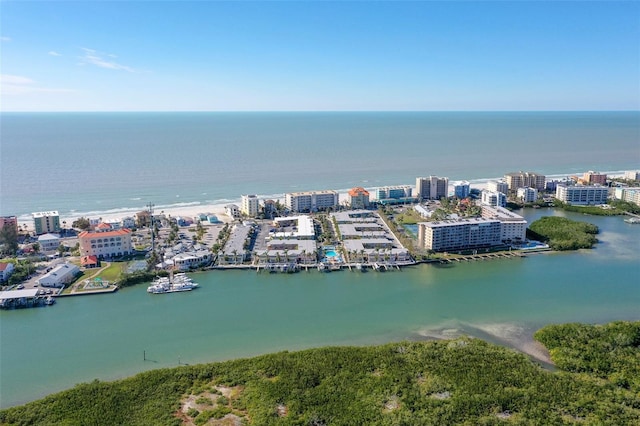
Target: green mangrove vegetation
(464,381)
(562,233)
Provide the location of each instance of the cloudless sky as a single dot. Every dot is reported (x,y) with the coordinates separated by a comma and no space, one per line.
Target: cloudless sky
(319,55)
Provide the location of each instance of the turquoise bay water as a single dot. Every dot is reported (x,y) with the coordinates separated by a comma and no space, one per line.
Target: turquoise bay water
(240,313)
(126,160)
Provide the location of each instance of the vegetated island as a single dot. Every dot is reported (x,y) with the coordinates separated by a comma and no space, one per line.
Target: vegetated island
(463,381)
(561,233)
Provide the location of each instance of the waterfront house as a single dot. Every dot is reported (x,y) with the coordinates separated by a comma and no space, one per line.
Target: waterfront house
(6,269)
(232,210)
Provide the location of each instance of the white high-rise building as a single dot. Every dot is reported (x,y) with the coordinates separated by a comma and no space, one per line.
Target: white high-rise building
(498,186)
(249,205)
(459,235)
(493,198)
(582,194)
(527,195)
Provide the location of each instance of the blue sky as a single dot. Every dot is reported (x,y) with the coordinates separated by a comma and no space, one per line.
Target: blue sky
(319,55)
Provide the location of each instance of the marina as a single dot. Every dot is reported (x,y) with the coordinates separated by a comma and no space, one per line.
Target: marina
(25,298)
(172,284)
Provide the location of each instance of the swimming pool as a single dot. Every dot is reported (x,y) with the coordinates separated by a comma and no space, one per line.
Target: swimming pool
(330,253)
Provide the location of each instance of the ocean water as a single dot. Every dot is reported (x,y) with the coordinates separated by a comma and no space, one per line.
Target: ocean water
(242,313)
(91,162)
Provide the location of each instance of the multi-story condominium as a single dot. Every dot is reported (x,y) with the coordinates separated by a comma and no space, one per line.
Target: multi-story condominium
(393,192)
(513,227)
(8,221)
(311,201)
(432,188)
(632,175)
(593,178)
(493,198)
(517,180)
(49,242)
(527,195)
(359,198)
(249,205)
(462,190)
(630,195)
(106,243)
(458,235)
(580,194)
(498,186)
(46,222)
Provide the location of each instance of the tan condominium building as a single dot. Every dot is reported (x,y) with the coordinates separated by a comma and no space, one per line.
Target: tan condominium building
(311,201)
(521,179)
(432,188)
(358,198)
(249,205)
(105,244)
(459,235)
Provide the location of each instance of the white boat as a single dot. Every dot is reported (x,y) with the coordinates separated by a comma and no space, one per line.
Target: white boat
(359,266)
(633,220)
(49,300)
(171,284)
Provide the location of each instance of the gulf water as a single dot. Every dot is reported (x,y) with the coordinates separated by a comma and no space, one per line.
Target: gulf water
(92,162)
(89,162)
(240,313)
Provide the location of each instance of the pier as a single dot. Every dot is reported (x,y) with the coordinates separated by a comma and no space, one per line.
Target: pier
(27,298)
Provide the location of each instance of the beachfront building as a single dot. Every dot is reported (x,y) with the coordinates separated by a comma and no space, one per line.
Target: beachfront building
(46,222)
(630,195)
(432,188)
(460,234)
(493,198)
(232,210)
(462,190)
(632,175)
(49,242)
(112,243)
(59,276)
(128,222)
(521,179)
(311,201)
(9,221)
(270,208)
(499,185)
(6,269)
(394,194)
(249,205)
(359,198)
(527,195)
(593,178)
(582,194)
(513,227)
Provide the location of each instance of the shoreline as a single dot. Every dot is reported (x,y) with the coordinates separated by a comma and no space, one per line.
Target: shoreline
(216,207)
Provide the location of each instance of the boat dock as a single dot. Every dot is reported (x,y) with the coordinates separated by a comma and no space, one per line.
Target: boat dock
(26,298)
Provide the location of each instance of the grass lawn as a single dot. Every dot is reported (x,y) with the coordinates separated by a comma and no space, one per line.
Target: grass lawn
(113,272)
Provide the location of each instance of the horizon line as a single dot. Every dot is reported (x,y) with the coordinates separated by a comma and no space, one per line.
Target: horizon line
(321,111)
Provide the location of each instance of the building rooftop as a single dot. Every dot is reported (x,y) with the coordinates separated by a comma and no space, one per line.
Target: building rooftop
(18,294)
(358,190)
(45,214)
(115,233)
